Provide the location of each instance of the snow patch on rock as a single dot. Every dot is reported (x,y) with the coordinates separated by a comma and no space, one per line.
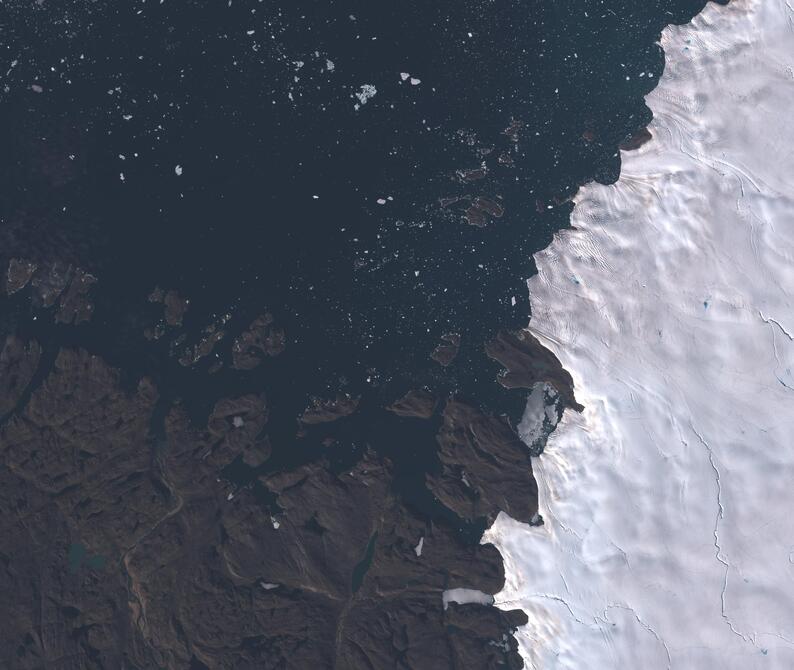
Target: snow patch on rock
(466,596)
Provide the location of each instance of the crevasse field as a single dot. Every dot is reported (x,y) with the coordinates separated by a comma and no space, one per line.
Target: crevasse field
(669,504)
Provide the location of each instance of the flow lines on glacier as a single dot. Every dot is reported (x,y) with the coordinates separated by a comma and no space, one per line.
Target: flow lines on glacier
(771,321)
(642,623)
(717,546)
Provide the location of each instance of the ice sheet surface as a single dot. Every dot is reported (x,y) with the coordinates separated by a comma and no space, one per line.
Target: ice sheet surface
(669,504)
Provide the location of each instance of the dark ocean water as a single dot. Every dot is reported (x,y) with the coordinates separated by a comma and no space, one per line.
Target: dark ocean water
(255,104)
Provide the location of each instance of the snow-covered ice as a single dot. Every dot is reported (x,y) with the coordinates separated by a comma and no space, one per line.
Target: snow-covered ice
(669,503)
(464,596)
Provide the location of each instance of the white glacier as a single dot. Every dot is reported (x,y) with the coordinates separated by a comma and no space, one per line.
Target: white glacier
(669,503)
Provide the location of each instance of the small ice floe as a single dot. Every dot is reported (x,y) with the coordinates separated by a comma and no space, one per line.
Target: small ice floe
(178,170)
(230,496)
(268,586)
(36,88)
(513,301)
(238,422)
(367,92)
(329,65)
(381,201)
(275,523)
(418,547)
(406,76)
(465,596)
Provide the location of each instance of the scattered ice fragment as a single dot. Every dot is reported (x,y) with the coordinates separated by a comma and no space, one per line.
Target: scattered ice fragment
(415,81)
(230,496)
(381,201)
(36,88)
(268,586)
(178,170)
(404,75)
(238,422)
(329,65)
(275,523)
(367,91)
(418,547)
